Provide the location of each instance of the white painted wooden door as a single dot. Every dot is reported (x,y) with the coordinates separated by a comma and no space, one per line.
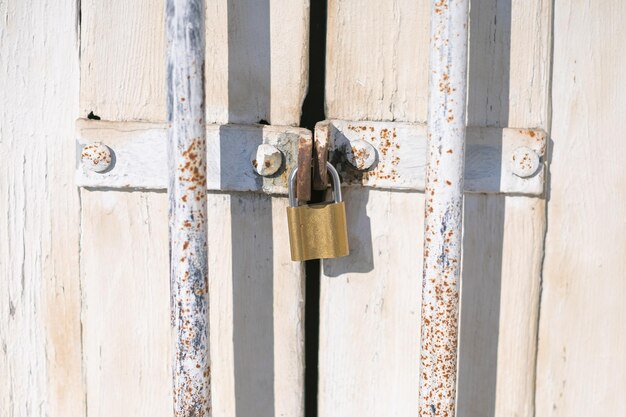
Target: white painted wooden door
(256,70)
(370,302)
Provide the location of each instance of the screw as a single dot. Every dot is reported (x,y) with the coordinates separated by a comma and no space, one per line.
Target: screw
(361,154)
(524,162)
(267,160)
(96,157)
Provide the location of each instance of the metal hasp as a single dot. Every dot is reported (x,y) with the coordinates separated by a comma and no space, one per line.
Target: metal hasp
(444,207)
(188,208)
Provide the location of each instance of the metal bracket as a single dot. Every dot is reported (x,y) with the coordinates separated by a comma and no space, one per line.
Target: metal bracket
(139,155)
(387,155)
(393,155)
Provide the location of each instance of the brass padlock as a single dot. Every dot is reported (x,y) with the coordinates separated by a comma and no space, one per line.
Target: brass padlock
(317,231)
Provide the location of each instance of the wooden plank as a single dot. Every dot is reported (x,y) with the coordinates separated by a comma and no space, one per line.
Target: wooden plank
(257,61)
(40,329)
(510,45)
(370,47)
(124,238)
(500,293)
(370,309)
(257,313)
(122,46)
(581,367)
(122,78)
(509,63)
(125,309)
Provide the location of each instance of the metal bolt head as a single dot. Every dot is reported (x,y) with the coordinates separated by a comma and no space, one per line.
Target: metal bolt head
(361,154)
(96,157)
(524,162)
(267,160)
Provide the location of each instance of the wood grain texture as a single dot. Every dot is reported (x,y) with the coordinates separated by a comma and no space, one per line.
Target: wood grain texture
(370,309)
(124,237)
(582,340)
(256,305)
(126,323)
(380,73)
(123,60)
(509,65)
(257,61)
(257,309)
(40,328)
(371,46)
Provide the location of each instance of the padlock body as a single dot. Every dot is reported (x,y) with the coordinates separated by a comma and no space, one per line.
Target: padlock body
(318,231)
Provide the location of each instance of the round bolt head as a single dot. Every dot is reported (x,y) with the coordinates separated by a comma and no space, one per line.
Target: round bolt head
(267,160)
(361,154)
(96,157)
(524,162)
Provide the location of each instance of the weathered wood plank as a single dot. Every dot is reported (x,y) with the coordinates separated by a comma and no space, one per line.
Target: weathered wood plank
(124,235)
(509,63)
(371,46)
(509,46)
(241,87)
(257,61)
(40,329)
(370,309)
(500,291)
(126,321)
(581,367)
(123,60)
(257,317)
(187,191)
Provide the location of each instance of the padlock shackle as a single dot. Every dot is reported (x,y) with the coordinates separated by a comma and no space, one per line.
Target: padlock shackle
(293,199)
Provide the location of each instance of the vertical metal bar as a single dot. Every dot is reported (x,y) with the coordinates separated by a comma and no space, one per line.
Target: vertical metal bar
(444,207)
(188,209)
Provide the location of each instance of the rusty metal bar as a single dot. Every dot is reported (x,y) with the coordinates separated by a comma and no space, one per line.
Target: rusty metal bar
(444,207)
(188,208)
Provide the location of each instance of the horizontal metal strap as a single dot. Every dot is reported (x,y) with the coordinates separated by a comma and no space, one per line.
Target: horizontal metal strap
(139,155)
(509,161)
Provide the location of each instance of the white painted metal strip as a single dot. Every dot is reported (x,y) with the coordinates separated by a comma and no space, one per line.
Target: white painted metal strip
(401,155)
(139,155)
(139,160)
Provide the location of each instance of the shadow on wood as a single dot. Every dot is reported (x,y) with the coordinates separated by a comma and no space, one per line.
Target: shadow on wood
(249,87)
(361,258)
(483,239)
